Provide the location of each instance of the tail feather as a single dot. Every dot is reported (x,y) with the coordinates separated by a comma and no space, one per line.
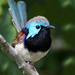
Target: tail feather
(15,25)
(13,21)
(10,11)
(18,13)
(22,11)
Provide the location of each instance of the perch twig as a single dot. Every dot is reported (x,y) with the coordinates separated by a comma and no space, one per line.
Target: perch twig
(8,49)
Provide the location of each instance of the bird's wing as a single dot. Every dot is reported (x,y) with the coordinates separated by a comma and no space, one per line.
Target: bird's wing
(18,13)
(18,39)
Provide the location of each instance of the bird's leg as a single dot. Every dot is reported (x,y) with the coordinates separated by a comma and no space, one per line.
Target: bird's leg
(32,66)
(23,73)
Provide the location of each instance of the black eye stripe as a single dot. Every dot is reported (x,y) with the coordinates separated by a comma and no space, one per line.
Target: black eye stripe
(25,30)
(37,26)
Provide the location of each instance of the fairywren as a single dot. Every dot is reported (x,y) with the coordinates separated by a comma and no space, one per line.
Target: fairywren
(33,39)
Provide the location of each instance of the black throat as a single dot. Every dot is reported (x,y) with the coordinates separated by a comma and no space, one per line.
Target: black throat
(40,42)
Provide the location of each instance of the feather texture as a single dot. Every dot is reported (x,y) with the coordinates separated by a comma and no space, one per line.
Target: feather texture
(18,13)
(22,11)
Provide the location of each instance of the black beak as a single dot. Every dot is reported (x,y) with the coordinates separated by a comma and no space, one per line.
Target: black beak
(50,27)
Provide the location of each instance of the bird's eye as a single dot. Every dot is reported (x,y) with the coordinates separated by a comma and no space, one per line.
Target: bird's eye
(37,27)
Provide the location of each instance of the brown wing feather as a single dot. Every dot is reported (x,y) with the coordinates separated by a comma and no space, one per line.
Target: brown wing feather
(18,39)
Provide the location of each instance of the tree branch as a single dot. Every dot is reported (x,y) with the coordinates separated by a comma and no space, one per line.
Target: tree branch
(23,66)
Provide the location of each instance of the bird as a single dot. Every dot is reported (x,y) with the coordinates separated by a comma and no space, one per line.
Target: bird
(33,40)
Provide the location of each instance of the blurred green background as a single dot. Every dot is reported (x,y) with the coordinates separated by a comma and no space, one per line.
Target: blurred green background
(61,58)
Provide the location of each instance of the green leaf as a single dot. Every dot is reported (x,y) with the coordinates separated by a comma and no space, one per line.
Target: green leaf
(65,3)
(3,2)
(69,34)
(69,70)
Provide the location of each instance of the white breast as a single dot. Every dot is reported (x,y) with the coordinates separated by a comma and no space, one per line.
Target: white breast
(29,56)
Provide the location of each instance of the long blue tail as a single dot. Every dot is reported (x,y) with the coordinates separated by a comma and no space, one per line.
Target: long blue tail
(18,13)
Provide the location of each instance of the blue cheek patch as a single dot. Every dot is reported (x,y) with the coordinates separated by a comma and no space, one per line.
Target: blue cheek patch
(32,28)
(32,32)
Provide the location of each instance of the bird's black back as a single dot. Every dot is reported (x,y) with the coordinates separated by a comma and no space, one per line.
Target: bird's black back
(40,42)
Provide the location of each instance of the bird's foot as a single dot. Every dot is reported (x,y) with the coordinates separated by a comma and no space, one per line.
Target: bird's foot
(32,66)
